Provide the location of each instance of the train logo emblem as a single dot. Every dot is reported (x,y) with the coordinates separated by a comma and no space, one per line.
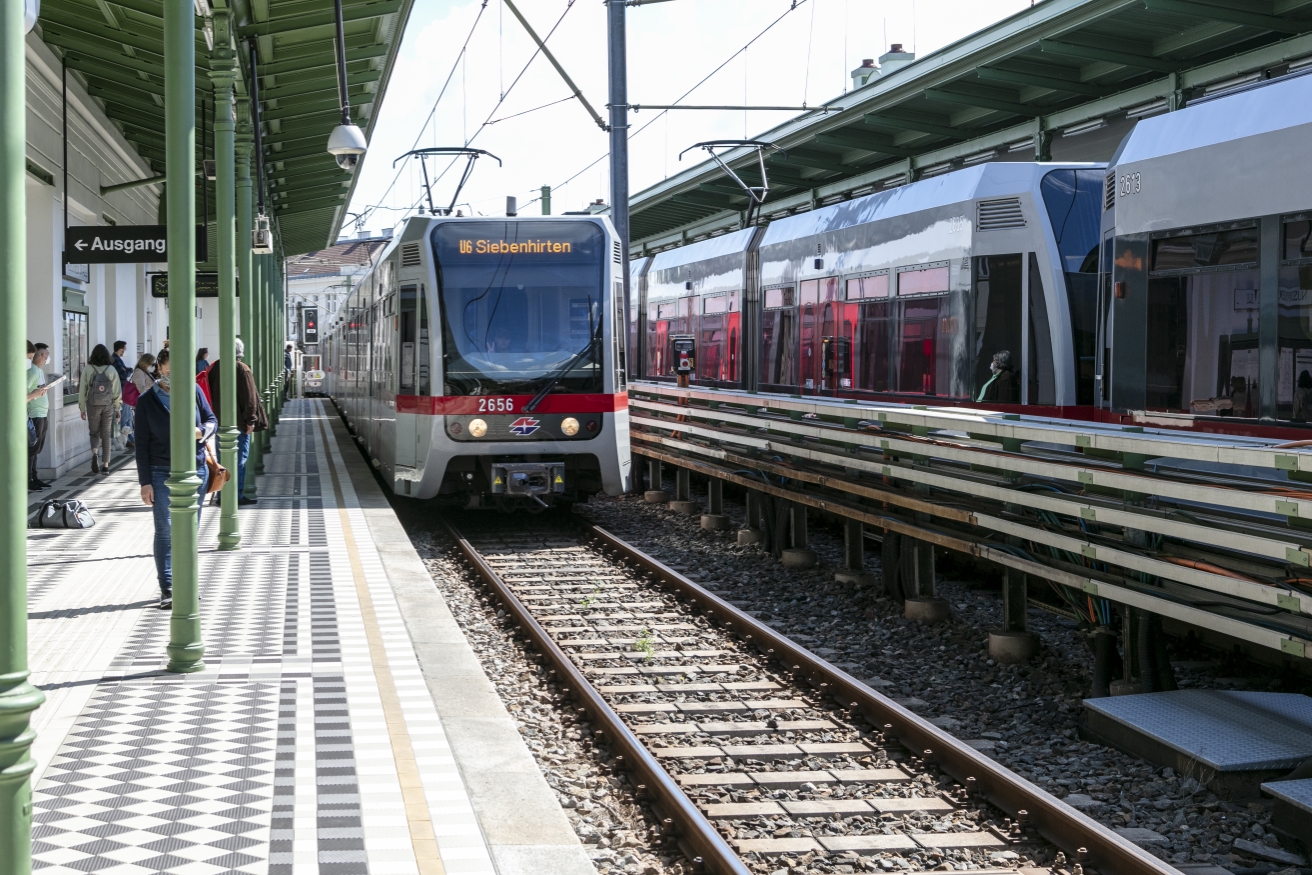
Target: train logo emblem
(524,426)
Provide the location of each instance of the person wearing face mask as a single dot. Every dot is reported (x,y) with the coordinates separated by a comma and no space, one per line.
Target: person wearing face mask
(1001,388)
(154,459)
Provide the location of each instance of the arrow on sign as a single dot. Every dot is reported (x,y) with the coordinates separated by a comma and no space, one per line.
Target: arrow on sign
(80,245)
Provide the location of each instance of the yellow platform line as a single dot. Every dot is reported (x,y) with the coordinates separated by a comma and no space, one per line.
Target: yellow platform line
(422,838)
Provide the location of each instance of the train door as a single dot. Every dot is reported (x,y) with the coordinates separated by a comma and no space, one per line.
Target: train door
(779,340)
(659,319)
(407,338)
(809,349)
(717,334)
(997,329)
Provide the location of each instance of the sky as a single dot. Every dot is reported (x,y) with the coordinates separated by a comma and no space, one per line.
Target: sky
(806,57)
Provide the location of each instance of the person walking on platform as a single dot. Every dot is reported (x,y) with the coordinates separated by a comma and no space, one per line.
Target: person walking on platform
(38,409)
(124,374)
(202,359)
(99,397)
(287,363)
(250,415)
(154,459)
(138,384)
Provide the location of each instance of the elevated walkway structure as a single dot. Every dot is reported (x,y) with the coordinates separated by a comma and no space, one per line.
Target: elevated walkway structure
(342,724)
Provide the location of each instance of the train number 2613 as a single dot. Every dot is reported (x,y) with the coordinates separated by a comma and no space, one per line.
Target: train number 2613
(496,405)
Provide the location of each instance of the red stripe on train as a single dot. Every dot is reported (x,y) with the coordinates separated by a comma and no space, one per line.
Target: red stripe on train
(467,405)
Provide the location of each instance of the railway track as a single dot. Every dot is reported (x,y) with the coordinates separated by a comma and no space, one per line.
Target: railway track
(753,751)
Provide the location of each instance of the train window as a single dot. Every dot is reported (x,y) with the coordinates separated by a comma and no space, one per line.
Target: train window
(1203,357)
(1229,248)
(1074,202)
(425,383)
(1298,241)
(997,328)
(717,339)
(779,298)
(872,360)
(408,331)
(923,281)
(809,292)
(868,287)
(1294,391)
(779,348)
(720,304)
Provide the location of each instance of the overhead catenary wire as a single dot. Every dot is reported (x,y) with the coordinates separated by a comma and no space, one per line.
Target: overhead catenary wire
(795,5)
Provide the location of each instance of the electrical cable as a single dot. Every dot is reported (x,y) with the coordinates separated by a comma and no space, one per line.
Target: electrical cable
(664,112)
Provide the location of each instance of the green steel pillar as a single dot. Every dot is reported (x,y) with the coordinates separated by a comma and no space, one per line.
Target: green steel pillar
(18,698)
(185,649)
(225,130)
(256,356)
(245,223)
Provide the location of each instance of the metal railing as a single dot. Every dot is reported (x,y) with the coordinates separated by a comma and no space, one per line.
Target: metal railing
(1212,530)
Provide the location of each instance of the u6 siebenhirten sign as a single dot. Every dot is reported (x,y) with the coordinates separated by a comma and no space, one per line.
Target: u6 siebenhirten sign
(122,244)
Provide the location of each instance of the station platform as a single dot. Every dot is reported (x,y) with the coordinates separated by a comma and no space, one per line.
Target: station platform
(342,725)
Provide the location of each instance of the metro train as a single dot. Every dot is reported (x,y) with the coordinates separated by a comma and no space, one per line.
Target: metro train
(1170,287)
(480,361)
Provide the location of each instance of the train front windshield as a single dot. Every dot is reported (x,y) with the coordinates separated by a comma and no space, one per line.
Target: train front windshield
(521,306)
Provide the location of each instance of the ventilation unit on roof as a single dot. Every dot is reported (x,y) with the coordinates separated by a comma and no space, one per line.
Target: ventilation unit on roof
(619,255)
(1000,215)
(1109,191)
(410,255)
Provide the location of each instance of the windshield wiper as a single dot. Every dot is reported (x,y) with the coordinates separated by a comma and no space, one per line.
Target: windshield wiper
(594,342)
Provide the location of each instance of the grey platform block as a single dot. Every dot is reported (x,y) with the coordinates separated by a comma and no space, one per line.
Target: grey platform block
(1292,812)
(1232,741)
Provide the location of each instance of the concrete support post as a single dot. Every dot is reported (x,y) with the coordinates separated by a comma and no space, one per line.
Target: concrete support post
(655,493)
(917,575)
(750,533)
(799,555)
(18,698)
(1013,643)
(715,519)
(683,502)
(186,650)
(224,75)
(854,556)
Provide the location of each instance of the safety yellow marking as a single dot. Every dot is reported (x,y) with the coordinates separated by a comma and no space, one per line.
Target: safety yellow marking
(422,838)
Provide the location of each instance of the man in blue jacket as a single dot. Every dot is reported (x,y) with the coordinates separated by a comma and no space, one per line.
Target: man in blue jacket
(153,461)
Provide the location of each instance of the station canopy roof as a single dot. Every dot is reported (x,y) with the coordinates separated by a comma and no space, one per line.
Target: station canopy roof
(116,48)
(1076,72)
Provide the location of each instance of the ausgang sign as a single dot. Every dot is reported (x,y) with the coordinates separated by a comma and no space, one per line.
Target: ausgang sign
(122,244)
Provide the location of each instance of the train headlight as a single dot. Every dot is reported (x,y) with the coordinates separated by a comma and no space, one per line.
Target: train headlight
(477,428)
(570,426)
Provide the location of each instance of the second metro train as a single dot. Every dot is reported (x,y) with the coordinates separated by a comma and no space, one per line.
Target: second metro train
(1171,287)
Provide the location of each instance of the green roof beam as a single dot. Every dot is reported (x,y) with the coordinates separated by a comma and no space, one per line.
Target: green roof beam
(942,95)
(1247,18)
(1113,56)
(707,199)
(357,12)
(830,163)
(906,122)
(296,65)
(856,139)
(1054,83)
(320,84)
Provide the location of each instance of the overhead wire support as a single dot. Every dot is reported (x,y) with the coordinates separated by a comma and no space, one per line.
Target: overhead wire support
(821,109)
(756,194)
(542,46)
(472,154)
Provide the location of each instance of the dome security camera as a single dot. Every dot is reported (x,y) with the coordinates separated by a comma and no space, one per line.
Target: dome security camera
(347,144)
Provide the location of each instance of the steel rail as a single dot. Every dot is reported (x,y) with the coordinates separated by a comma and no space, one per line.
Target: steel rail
(700,839)
(1088,841)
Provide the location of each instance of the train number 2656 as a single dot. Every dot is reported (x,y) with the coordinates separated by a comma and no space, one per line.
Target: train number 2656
(496,405)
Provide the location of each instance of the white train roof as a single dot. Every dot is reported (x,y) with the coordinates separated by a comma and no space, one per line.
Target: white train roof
(991,180)
(725,244)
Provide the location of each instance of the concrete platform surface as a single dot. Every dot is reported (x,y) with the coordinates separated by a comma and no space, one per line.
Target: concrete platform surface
(342,725)
(1224,730)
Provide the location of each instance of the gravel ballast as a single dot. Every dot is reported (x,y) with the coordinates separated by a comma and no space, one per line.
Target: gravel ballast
(1024,716)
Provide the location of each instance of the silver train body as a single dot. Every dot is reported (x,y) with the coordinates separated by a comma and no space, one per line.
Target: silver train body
(1205,308)
(443,348)
(905,294)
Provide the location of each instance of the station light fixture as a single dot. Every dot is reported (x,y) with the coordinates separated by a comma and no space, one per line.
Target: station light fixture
(346,143)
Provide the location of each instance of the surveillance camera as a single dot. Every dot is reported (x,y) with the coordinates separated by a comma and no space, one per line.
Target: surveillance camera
(347,144)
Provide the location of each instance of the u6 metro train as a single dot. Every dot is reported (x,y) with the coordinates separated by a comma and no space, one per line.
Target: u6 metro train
(1173,287)
(479,360)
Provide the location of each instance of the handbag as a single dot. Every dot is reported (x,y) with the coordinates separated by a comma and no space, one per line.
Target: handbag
(219,475)
(71,514)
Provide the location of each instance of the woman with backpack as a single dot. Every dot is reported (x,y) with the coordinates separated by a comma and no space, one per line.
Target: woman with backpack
(154,459)
(99,397)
